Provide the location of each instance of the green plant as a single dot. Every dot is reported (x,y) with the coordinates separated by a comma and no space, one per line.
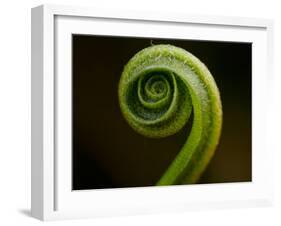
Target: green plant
(160,88)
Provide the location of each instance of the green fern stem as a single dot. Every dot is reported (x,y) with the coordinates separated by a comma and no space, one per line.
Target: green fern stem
(158,90)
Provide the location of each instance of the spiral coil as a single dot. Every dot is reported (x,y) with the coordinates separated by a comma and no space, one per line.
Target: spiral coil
(159,89)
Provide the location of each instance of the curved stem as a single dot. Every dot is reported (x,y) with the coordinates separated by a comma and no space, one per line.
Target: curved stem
(159,88)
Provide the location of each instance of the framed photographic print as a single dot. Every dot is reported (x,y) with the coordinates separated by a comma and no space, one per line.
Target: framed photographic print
(137,112)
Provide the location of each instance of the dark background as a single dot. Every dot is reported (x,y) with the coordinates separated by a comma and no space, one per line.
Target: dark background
(107,153)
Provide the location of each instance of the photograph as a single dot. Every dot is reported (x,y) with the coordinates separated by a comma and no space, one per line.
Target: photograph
(160,112)
(136,112)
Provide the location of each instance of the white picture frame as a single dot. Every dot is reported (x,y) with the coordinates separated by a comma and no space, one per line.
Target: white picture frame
(52,197)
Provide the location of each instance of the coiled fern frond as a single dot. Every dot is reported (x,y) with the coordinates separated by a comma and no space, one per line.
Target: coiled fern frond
(159,89)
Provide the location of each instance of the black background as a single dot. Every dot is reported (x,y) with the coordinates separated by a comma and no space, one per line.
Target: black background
(107,153)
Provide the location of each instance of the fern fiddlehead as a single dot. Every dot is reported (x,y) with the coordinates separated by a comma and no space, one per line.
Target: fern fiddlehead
(159,89)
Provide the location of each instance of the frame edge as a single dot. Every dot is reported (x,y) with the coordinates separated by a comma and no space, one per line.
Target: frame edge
(37,112)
